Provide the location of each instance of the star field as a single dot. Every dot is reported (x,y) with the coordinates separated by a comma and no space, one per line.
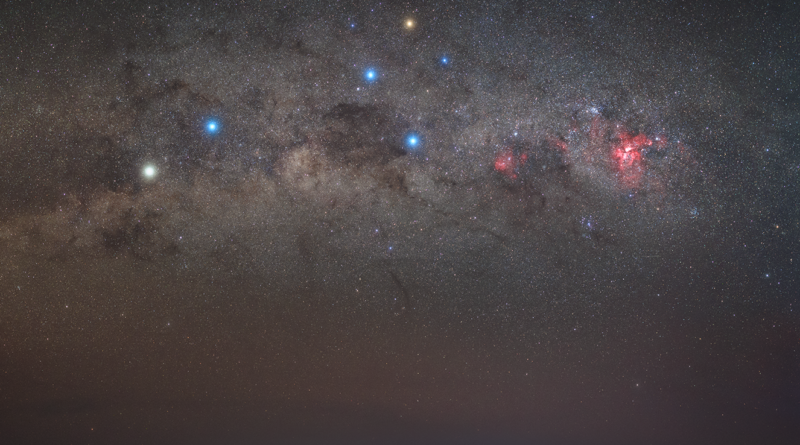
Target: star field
(425,222)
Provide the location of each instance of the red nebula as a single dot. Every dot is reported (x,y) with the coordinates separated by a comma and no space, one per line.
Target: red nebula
(558,143)
(627,156)
(505,162)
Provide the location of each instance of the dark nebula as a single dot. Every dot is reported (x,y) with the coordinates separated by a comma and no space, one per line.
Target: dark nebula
(551,222)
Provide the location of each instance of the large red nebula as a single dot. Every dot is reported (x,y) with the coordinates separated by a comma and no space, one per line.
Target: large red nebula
(626,154)
(608,142)
(506,162)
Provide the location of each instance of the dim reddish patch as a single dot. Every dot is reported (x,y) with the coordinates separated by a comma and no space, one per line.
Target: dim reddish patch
(574,125)
(558,143)
(598,129)
(506,163)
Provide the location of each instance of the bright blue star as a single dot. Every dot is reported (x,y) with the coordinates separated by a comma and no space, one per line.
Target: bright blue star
(212,126)
(412,140)
(444,60)
(371,75)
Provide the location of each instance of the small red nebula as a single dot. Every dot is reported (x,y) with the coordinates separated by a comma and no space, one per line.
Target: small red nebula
(523,157)
(559,143)
(505,162)
(660,141)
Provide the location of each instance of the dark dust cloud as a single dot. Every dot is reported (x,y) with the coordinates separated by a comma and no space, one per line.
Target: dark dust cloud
(394,222)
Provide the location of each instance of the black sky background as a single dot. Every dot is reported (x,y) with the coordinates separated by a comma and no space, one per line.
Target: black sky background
(594,240)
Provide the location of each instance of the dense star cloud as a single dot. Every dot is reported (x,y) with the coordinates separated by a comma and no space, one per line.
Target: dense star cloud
(458,222)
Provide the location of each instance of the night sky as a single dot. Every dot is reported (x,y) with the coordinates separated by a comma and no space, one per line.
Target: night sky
(550,222)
